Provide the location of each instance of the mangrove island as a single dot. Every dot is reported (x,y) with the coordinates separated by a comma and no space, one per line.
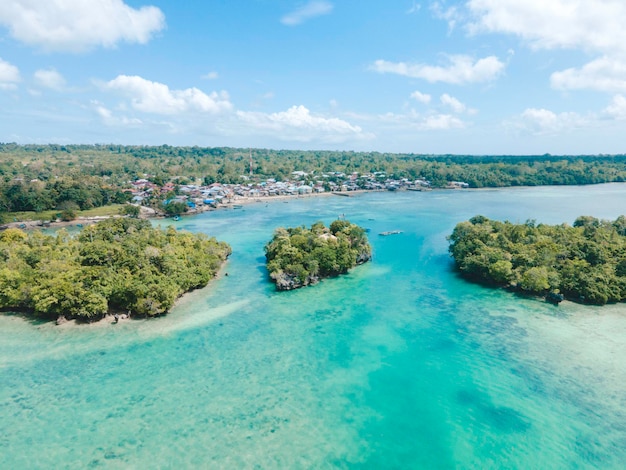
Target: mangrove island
(298,256)
(584,263)
(117,265)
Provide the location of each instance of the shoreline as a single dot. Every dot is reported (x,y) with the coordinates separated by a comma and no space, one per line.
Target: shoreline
(149,213)
(113,317)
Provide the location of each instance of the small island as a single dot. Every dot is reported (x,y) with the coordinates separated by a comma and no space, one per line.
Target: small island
(585,263)
(120,265)
(298,257)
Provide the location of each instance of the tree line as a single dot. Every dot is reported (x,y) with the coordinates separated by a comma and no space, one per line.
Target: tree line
(40,177)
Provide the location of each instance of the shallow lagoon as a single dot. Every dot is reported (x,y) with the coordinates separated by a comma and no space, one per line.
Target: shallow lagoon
(399,364)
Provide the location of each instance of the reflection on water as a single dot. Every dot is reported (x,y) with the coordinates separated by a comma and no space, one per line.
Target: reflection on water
(399,364)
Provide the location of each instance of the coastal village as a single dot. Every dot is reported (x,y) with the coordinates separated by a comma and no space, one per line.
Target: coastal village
(152,199)
(202,197)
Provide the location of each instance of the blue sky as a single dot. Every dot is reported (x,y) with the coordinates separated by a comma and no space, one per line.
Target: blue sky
(465,77)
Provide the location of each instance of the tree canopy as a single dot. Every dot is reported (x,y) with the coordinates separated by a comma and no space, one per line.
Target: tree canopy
(298,256)
(118,264)
(43,177)
(585,262)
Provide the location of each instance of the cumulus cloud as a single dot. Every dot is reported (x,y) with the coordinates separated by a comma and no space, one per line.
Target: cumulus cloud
(111,120)
(413,120)
(421,97)
(308,11)
(543,121)
(441,122)
(595,27)
(550,24)
(50,78)
(603,74)
(617,108)
(157,98)
(453,103)
(9,75)
(460,69)
(299,124)
(77,25)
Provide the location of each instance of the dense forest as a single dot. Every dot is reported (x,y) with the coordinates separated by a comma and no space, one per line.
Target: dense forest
(298,256)
(41,177)
(120,264)
(585,262)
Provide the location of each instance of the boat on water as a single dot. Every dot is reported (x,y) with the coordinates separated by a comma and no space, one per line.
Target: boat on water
(391,232)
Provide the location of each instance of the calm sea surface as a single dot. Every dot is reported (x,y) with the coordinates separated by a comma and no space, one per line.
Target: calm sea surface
(399,364)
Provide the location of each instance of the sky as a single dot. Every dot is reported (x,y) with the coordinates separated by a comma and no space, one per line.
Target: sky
(430,77)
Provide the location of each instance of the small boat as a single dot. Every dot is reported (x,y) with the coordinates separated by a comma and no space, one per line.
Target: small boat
(391,232)
(237,206)
(176,218)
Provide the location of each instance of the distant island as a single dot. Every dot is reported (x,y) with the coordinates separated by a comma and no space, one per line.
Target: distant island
(584,263)
(120,265)
(297,257)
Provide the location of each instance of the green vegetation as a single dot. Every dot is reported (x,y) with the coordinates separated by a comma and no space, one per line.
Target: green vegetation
(297,257)
(118,264)
(175,208)
(104,211)
(129,210)
(585,262)
(42,177)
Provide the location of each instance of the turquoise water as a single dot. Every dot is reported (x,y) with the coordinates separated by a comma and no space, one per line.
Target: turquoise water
(399,364)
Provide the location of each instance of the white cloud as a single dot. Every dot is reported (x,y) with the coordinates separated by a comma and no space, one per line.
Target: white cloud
(9,75)
(78,25)
(441,122)
(543,121)
(308,11)
(453,103)
(460,69)
(50,79)
(211,76)
(154,97)
(596,25)
(617,108)
(421,97)
(450,14)
(413,120)
(603,74)
(299,124)
(110,120)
